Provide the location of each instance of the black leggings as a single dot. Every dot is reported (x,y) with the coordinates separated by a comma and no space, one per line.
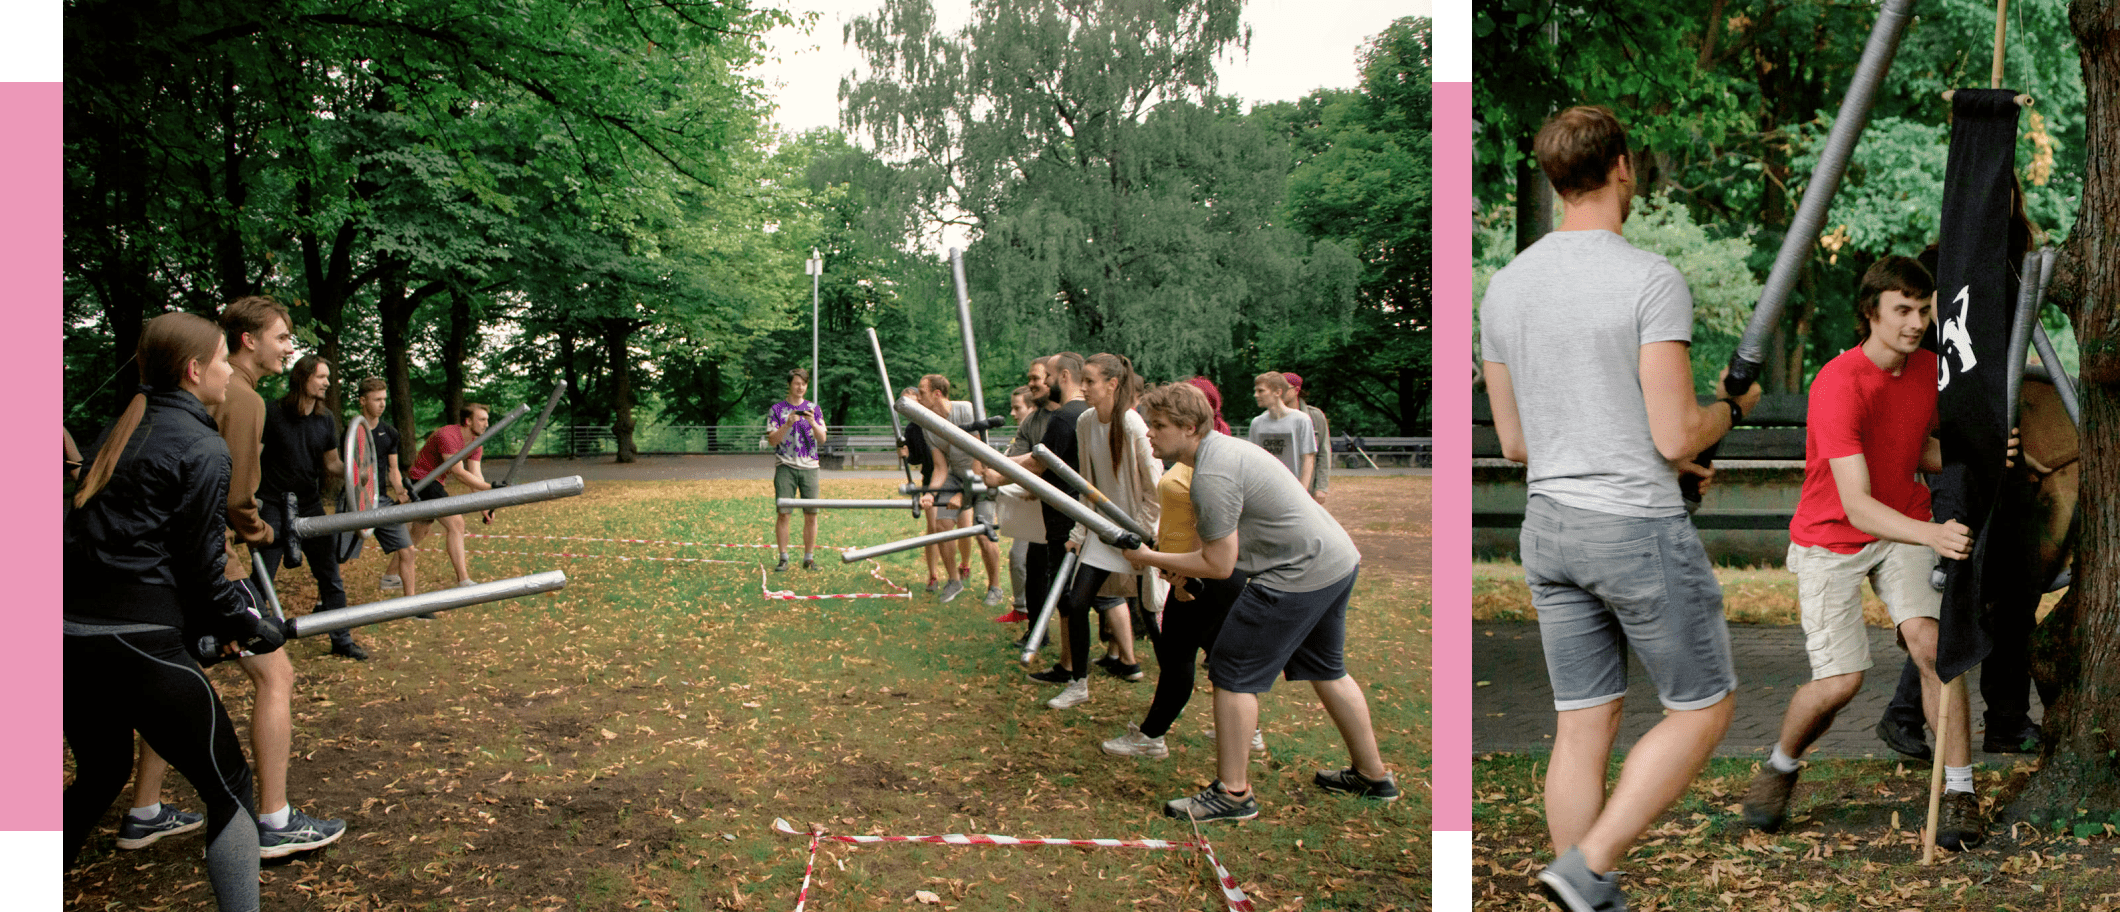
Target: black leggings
(1187,628)
(143,680)
(1076,605)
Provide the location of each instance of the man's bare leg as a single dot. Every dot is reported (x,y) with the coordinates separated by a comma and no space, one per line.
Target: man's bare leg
(809,534)
(271,725)
(453,531)
(1236,717)
(1812,709)
(1575,774)
(148,771)
(1658,770)
(780,532)
(1920,634)
(1349,710)
(417,532)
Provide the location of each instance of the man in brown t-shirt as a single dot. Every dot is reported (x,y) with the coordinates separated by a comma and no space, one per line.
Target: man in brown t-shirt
(260,339)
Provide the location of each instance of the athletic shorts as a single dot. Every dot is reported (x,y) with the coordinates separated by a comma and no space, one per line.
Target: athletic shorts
(1829,592)
(392,537)
(435,491)
(1606,584)
(1299,635)
(790,482)
(982,510)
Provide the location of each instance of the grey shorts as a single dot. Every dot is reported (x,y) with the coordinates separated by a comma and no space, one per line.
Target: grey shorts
(982,510)
(1302,635)
(790,482)
(1604,584)
(392,537)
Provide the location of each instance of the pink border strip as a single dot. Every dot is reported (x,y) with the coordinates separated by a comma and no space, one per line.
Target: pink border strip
(30,259)
(1451,601)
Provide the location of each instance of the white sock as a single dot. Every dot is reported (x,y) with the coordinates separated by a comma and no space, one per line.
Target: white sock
(1781,762)
(1958,778)
(277,819)
(148,812)
(809,555)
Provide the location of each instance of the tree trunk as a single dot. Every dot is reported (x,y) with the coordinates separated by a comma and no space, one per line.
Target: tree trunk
(2080,772)
(575,395)
(617,332)
(456,348)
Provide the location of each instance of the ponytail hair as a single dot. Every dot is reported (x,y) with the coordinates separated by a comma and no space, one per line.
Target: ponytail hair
(1123,398)
(169,345)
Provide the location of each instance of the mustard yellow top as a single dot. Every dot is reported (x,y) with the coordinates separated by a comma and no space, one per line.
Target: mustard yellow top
(1176,534)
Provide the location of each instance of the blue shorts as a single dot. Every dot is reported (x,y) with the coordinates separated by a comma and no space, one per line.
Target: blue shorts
(1604,584)
(1301,635)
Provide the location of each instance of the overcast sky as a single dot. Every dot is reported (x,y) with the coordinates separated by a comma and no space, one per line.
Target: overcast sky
(1296,46)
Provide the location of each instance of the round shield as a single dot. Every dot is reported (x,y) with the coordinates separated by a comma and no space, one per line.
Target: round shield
(362,482)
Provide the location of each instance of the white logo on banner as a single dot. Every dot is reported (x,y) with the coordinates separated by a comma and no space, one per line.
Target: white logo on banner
(1954,343)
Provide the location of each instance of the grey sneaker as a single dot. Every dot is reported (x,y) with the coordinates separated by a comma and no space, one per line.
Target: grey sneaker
(809,563)
(1569,882)
(392,581)
(135,833)
(302,833)
(1213,804)
(1258,739)
(1076,694)
(782,566)
(953,589)
(1767,798)
(994,596)
(1347,781)
(1136,744)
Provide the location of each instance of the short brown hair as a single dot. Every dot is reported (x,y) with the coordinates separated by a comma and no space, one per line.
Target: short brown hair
(1180,404)
(1578,147)
(1902,274)
(251,314)
(938,383)
(801,374)
(463,415)
(1274,382)
(369,385)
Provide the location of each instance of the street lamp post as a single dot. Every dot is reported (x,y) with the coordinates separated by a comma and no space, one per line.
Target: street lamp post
(814,267)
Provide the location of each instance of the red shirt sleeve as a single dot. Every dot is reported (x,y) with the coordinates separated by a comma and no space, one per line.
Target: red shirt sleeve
(1835,415)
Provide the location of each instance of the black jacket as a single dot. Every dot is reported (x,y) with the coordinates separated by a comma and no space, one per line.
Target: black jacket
(149,547)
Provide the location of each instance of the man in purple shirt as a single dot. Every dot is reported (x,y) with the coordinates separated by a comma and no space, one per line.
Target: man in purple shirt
(795,426)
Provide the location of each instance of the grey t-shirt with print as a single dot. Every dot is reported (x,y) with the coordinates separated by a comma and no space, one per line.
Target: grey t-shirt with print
(1569,317)
(1285,540)
(1287,438)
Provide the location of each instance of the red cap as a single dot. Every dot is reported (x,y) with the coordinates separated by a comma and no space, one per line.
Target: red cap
(1293,380)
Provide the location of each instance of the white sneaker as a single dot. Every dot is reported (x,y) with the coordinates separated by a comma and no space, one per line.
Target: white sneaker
(1136,744)
(391,581)
(466,582)
(1076,694)
(1258,739)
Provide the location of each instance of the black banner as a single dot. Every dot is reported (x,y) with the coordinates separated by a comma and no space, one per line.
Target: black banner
(1976,298)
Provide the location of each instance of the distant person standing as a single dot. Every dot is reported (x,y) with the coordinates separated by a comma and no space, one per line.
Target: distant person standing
(384,443)
(447,441)
(1320,429)
(795,427)
(1283,431)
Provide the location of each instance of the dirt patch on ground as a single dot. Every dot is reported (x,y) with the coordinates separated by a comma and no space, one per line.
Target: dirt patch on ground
(1390,519)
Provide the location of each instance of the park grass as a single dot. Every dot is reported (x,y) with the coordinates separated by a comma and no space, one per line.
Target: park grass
(1853,842)
(628,741)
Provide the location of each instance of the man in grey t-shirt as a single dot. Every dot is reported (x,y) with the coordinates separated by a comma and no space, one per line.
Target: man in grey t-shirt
(1584,339)
(1282,430)
(1290,619)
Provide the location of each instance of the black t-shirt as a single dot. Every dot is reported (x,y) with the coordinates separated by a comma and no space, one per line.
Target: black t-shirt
(1060,438)
(384,439)
(295,444)
(917,450)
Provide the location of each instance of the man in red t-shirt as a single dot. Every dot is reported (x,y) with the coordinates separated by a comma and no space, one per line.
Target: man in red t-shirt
(440,445)
(1864,514)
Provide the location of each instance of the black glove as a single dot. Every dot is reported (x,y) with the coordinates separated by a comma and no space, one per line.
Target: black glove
(272,633)
(500,484)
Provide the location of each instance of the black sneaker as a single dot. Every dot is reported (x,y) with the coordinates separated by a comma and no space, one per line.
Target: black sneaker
(351,650)
(809,563)
(1124,671)
(782,566)
(302,833)
(1213,804)
(1910,742)
(2012,739)
(135,833)
(1053,675)
(1349,782)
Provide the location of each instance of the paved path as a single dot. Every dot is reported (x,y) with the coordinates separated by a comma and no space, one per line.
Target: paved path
(1514,710)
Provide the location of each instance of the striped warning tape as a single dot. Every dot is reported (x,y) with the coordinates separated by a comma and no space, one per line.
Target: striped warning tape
(1231,893)
(683,560)
(804,896)
(875,570)
(625,541)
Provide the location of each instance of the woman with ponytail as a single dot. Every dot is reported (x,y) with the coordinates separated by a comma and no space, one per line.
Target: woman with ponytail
(143,575)
(1115,458)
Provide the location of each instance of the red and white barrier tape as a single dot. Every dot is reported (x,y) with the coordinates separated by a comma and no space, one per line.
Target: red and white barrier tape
(1231,893)
(682,560)
(804,896)
(626,541)
(875,570)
